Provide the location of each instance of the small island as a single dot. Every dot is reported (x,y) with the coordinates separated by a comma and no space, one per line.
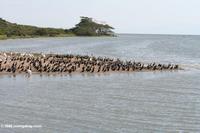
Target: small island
(57,63)
(86,27)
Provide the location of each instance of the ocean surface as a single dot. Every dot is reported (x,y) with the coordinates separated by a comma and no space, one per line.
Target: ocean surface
(146,102)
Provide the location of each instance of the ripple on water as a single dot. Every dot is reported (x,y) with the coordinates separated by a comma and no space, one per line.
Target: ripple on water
(114,102)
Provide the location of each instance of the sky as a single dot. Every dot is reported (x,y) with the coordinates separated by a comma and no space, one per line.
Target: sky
(126,16)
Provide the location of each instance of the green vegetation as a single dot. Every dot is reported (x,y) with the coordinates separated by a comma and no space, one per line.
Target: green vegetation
(86,27)
(3,37)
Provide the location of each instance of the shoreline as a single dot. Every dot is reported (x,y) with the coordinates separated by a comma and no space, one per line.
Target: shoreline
(32,37)
(60,63)
(35,37)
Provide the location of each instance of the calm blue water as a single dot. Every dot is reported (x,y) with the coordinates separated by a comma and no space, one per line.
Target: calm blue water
(114,102)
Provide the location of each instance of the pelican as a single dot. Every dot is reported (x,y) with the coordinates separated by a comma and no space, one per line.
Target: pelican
(5,54)
(29,72)
(43,55)
(90,58)
(30,55)
(22,54)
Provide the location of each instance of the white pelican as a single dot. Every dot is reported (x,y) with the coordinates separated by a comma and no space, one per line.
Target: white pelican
(5,54)
(29,72)
(43,55)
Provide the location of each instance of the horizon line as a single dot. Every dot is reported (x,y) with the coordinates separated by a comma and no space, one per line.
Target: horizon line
(165,34)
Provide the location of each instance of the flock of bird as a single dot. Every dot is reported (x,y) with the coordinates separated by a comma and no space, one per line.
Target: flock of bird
(23,62)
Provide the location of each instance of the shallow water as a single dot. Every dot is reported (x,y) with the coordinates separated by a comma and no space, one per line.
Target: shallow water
(114,102)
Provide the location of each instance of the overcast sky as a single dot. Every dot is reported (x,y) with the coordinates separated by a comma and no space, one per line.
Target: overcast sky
(127,16)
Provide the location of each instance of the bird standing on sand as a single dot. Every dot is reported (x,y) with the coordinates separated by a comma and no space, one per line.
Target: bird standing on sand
(29,72)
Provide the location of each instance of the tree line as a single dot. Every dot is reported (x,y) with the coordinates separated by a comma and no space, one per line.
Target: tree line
(86,27)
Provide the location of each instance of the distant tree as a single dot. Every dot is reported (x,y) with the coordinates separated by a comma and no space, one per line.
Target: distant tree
(41,32)
(87,27)
(15,30)
(3,27)
(2,32)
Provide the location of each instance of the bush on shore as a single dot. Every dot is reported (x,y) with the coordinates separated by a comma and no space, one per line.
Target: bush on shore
(3,37)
